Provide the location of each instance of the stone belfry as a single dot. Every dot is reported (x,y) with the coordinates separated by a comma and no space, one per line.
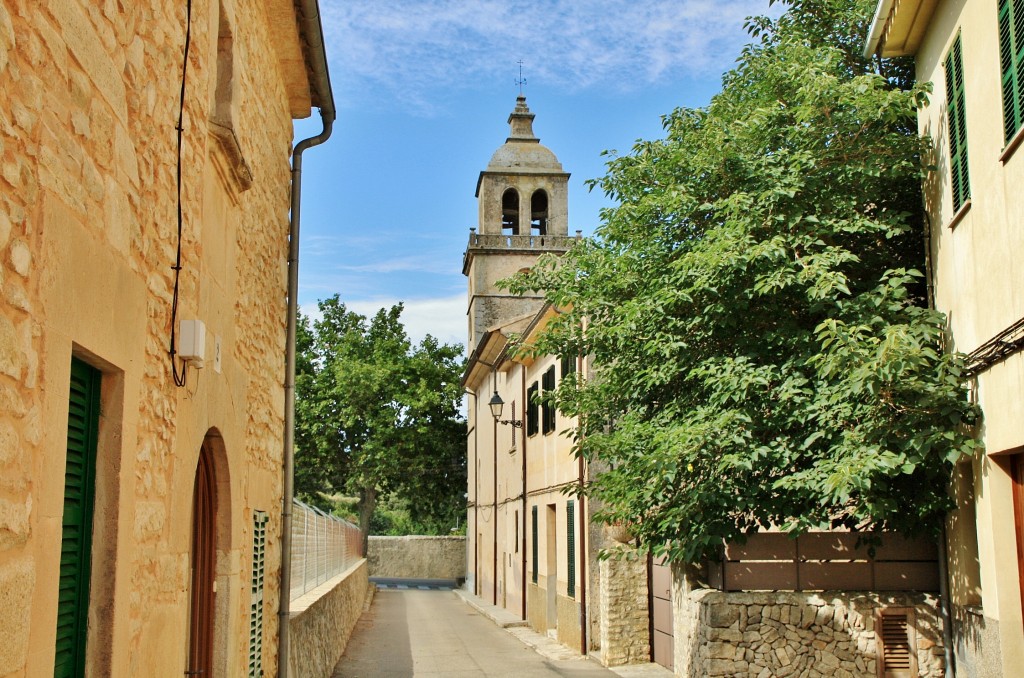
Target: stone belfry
(523,212)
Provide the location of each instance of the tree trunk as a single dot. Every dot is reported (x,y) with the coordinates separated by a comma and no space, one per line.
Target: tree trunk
(367,503)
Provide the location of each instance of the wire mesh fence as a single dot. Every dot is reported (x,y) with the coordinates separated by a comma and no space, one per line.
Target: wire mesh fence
(323,546)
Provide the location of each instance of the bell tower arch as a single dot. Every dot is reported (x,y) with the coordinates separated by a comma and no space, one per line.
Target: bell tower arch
(523,212)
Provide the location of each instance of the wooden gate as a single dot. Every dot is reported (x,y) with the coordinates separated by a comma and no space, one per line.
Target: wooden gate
(661,612)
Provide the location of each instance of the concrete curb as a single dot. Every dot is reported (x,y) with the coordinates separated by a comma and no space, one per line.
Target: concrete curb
(503,618)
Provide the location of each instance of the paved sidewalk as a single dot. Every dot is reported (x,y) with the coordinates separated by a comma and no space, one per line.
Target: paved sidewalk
(547,647)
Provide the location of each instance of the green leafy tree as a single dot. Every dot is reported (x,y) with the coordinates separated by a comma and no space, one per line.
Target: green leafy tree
(763,351)
(377,416)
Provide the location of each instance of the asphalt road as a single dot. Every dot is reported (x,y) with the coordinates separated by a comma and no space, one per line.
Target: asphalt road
(417,632)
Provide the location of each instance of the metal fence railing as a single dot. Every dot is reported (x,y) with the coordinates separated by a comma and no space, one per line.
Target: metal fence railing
(323,546)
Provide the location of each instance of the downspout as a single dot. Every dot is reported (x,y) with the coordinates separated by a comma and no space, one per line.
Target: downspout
(944,605)
(321,96)
(522,435)
(583,549)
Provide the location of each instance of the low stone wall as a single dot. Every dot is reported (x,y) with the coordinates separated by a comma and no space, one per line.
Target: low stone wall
(322,620)
(417,557)
(778,634)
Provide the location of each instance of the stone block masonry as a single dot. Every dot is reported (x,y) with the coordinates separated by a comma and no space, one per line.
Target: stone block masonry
(417,557)
(813,635)
(625,638)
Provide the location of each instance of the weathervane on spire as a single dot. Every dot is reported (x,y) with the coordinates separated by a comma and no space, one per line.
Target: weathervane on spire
(521,81)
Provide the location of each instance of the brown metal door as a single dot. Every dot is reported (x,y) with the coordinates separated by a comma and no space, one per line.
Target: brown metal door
(200,651)
(661,612)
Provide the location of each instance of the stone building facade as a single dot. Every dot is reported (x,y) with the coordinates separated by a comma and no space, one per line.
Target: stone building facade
(972,51)
(115,483)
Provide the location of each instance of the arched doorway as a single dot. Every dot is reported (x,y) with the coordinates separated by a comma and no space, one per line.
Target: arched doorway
(204,559)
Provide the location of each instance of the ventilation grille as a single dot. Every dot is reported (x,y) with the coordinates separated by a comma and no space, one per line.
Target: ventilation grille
(259,555)
(897,651)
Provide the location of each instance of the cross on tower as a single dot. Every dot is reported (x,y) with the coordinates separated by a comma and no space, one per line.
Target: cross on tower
(521,81)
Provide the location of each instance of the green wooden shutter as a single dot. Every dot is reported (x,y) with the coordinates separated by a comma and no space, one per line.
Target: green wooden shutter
(76,534)
(957,125)
(535,544)
(548,407)
(1011,52)
(570,537)
(259,556)
(531,409)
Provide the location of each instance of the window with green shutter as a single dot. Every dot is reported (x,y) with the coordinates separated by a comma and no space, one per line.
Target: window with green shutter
(570,550)
(531,409)
(535,544)
(548,406)
(1011,52)
(259,556)
(76,525)
(957,125)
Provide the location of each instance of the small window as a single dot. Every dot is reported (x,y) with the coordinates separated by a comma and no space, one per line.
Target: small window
(510,212)
(539,213)
(956,122)
(1011,52)
(897,643)
(568,365)
(531,409)
(548,406)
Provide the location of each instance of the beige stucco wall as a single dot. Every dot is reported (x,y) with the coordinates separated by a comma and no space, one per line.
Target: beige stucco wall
(980,286)
(417,557)
(322,621)
(87,239)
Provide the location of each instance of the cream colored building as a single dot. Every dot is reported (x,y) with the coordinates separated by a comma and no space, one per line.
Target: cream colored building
(973,53)
(140,521)
(531,548)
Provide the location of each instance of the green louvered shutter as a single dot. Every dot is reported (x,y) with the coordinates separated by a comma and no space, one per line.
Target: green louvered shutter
(570,538)
(1011,53)
(957,125)
(535,544)
(259,557)
(76,535)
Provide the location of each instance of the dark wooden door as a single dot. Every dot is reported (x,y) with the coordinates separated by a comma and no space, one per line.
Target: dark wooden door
(204,507)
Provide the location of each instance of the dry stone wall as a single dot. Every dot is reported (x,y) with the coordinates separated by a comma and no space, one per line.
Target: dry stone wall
(811,635)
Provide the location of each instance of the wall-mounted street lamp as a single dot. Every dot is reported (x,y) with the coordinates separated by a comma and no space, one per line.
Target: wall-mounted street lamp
(496,404)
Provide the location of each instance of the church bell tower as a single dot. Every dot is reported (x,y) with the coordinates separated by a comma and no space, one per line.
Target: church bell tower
(523,212)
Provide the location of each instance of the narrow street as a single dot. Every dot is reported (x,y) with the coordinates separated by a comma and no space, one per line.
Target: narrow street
(435,633)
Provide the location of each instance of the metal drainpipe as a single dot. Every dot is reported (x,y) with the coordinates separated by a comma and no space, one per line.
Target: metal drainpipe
(522,436)
(321,85)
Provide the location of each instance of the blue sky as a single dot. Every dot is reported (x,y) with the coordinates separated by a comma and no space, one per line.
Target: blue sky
(423,90)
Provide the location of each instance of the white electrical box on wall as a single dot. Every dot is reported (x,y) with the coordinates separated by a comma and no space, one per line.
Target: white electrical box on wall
(192,342)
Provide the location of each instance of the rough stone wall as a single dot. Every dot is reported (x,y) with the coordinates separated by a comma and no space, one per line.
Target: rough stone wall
(778,634)
(88,231)
(624,610)
(322,622)
(417,557)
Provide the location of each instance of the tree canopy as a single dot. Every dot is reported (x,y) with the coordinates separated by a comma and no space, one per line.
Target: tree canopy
(378,416)
(755,308)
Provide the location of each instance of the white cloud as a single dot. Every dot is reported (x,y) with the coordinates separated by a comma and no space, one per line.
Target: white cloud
(415,49)
(442,317)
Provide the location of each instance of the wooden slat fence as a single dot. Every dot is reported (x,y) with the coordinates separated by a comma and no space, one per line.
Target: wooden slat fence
(826,561)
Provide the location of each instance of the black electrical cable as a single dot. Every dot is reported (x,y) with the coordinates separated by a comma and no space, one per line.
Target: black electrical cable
(179,379)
